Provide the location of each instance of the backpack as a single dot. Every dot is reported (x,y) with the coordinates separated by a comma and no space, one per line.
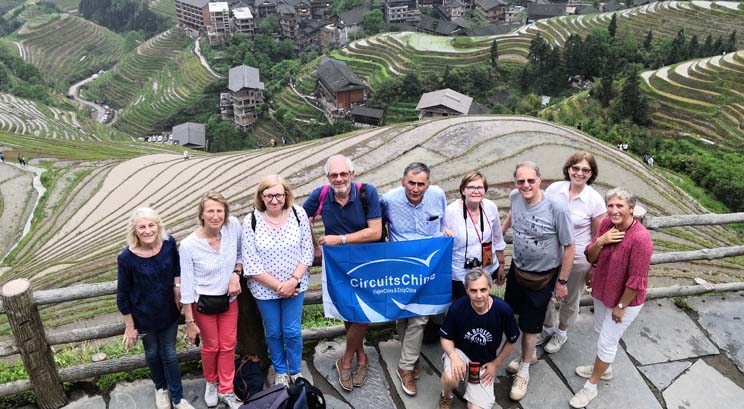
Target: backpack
(274,397)
(303,395)
(249,378)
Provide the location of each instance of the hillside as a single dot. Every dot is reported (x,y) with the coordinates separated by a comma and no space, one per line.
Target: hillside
(69,48)
(26,117)
(703,99)
(84,228)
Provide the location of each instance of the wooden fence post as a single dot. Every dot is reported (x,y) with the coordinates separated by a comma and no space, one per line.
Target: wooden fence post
(25,322)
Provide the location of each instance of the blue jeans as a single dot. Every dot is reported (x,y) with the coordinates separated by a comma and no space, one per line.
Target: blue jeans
(160,354)
(282,320)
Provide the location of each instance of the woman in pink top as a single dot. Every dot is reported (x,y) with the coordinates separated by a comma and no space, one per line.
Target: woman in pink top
(621,253)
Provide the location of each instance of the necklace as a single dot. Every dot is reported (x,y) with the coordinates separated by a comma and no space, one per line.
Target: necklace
(275,223)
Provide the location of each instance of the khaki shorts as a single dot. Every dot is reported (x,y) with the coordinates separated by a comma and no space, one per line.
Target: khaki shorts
(478,394)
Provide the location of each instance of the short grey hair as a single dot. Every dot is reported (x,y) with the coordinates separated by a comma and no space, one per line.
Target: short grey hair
(622,194)
(527,164)
(349,163)
(416,168)
(475,274)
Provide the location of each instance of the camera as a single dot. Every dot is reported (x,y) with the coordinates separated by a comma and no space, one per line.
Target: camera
(472,262)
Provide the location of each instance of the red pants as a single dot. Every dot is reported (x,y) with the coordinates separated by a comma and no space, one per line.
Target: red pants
(218,334)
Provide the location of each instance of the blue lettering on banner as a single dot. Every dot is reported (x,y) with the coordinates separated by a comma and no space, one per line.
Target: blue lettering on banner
(379,282)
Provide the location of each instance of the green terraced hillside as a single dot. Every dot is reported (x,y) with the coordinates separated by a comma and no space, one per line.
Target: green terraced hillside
(703,98)
(399,53)
(70,48)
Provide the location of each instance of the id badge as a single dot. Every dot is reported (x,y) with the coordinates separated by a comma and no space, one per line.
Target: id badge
(486,254)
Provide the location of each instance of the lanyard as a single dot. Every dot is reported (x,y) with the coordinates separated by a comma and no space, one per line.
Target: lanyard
(465,211)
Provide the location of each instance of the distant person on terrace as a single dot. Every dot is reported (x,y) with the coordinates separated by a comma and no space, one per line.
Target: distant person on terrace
(278,250)
(148,296)
(621,253)
(211,268)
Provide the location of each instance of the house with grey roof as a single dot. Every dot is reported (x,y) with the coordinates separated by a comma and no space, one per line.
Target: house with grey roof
(436,26)
(190,135)
(338,88)
(493,10)
(245,97)
(537,12)
(611,6)
(447,102)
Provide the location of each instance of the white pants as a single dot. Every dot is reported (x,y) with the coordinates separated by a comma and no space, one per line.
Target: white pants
(610,331)
(480,394)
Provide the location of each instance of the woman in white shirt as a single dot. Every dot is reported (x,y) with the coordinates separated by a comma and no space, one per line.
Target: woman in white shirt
(211,267)
(474,223)
(277,250)
(587,211)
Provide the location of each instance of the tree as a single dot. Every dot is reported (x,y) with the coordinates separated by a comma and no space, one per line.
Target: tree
(648,40)
(612,27)
(632,104)
(373,21)
(494,54)
(605,92)
(707,49)
(730,45)
(718,46)
(693,47)
(410,86)
(269,25)
(573,55)
(596,51)
(678,48)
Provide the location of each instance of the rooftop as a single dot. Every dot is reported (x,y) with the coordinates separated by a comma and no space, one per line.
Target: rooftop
(445,97)
(337,76)
(195,3)
(243,13)
(244,76)
(219,7)
(190,134)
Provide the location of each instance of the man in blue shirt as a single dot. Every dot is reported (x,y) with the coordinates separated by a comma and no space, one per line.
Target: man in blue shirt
(346,221)
(413,211)
(471,332)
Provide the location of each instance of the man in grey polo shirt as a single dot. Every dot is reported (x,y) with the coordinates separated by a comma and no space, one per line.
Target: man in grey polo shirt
(541,262)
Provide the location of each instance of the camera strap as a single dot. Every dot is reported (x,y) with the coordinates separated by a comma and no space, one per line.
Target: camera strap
(465,214)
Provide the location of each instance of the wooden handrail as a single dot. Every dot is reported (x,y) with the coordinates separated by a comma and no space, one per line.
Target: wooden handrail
(657,222)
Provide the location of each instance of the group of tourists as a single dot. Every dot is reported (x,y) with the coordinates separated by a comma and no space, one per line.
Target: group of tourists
(563,238)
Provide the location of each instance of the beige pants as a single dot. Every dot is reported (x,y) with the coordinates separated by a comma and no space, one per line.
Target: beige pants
(411,334)
(481,395)
(568,309)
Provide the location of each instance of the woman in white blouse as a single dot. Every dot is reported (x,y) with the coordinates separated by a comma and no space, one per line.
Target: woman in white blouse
(474,223)
(211,267)
(277,250)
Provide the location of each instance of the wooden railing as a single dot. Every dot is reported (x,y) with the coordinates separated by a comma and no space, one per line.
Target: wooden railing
(31,341)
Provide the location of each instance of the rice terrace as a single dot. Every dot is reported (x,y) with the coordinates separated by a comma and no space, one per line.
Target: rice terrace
(92,106)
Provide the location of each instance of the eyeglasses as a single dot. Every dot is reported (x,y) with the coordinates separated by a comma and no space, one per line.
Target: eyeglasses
(278,196)
(343,175)
(475,189)
(578,169)
(521,182)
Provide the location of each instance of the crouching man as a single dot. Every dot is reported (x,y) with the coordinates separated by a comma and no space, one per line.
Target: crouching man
(470,337)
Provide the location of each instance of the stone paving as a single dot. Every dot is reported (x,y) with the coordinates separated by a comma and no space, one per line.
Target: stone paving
(686,354)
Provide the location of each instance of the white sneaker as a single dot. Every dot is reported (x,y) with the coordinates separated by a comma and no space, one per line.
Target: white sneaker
(513,366)
(294,377)
(543,336)
(519,387)
(281,379)
(183,404)
(230,400)
(586,372)
(162,399)
(582,398)
(210,394)
(555,343)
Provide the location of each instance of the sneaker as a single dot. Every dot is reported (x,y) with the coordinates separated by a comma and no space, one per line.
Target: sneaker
(555,343)
(519,387)
(210,394)
(543,336)
(407,382)
(359,375)
(444,402)
(416,371)
(183,404)
(583,397)
(230,400)
(282,379)
(513,366)
(344,376)
(293,378)
(586,372)
(162,400)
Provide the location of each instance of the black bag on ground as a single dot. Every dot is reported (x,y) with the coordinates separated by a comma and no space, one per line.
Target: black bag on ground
(274,397)
(303,395)
(213,304)
(249,378)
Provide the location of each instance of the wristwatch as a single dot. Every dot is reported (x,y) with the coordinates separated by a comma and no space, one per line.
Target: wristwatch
(562,281)
(621,306)
(343,239)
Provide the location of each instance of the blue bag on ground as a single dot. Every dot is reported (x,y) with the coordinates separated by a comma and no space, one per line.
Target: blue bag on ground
(274,397)
(249,378)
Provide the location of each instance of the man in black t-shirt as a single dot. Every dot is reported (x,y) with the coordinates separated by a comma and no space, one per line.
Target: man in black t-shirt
(471,332)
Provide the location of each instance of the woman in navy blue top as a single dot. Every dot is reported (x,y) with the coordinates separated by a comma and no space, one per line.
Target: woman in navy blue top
(147,296)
